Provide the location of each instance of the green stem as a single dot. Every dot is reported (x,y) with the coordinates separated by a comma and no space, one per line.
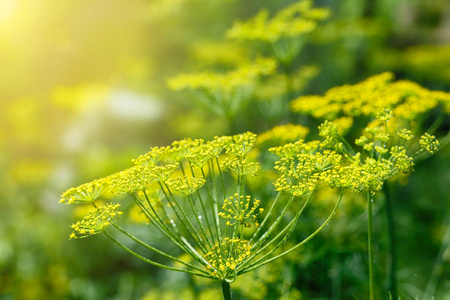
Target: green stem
(215,205)
(197,216)
(226,290)
(291,226)
(268,214)
(438,267)
(392,260)
(203,208)
(150,261)
(214,209)
(161,226)
(274,225)
(142,243)
(437,122)
(299,244)
(221,177)
(183,218)
(369,243)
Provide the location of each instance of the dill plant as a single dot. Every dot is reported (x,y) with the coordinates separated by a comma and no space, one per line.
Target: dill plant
(196,194)
(256,62)
(393,140)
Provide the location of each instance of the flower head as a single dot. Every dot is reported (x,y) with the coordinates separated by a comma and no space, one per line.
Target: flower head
(85,193)
(132,180)
(186,185)
(242,210)
(296,19)
(241,167)
(429,143)
(240,144)
(226,256)
(96,221)
(301,175)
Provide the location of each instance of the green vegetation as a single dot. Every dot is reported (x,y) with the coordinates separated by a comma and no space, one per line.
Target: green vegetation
(282,150)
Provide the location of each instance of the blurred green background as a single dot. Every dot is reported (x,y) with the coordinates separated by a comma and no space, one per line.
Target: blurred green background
(83,91)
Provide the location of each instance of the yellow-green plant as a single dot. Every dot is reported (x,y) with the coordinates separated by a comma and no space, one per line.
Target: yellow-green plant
(271,79)
(285,32)
(408,101)
(205,208)
(225,93)
(376,102)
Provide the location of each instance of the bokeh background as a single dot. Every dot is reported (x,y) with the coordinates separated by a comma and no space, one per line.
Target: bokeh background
(83,91)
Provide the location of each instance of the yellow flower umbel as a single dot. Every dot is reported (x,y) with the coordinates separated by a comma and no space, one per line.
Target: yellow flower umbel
(96,221)
(429,143)
(407,100)
(177,189)
(225,93)
(238,208)
(185,185)
(86,193)
(292,149)
(225,256)
(301,174)
(240,144)
(134,179)
(284,30)
(241,167)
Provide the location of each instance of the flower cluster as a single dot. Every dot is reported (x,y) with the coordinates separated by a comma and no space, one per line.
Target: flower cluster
(96,221)
(241,167)
(244,75)
(297,19)
(227,239)
(226,53)
(241,144)
(85,193)
(299,147)
(134,179)
(238,208)
(429,143)
(185,185)
(225,256)
(225,93)
(383,157)
(302,173)
(406,99)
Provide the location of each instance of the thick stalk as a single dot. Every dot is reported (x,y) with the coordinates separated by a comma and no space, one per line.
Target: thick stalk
(369,243)
(226,290)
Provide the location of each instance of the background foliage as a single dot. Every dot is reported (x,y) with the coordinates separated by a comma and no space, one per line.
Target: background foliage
(83,90)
